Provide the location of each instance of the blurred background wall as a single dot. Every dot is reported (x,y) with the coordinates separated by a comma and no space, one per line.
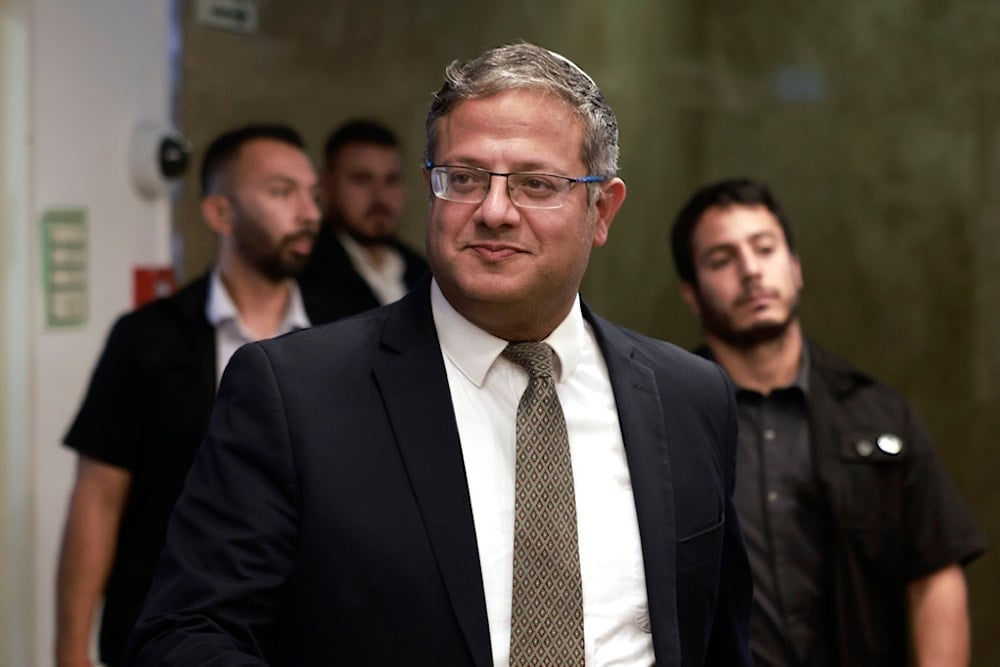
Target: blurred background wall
(877,123)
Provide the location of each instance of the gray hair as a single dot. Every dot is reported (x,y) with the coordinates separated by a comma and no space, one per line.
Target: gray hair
(524,65)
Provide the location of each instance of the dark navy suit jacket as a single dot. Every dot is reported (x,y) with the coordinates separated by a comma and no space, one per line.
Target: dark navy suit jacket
(327,519)
(146,410)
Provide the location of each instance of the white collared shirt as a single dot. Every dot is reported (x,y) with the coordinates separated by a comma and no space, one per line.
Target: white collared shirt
(231,333)
(385,280)
(485,390)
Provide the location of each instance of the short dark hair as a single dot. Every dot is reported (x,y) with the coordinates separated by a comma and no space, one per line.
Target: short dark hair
(724,193)
(358,131)
(225,147)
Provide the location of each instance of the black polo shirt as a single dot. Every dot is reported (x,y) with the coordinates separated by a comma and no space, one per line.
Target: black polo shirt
(784,523)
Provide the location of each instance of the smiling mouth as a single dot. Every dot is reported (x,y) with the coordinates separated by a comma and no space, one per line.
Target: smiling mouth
(494,252)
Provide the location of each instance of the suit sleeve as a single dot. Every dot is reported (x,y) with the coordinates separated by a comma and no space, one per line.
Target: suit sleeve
(729,643)
(232,538)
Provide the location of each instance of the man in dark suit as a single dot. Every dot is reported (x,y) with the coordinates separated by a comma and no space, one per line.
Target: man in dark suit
(358,262)
(361,494)
(148,404)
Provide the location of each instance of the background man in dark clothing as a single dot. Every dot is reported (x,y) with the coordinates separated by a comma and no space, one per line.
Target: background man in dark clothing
(852,524)
(358,263)
(149,399)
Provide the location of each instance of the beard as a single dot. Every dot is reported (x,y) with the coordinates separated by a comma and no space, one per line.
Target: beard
(275,260)
(719,324)
(375,228)
(282,262)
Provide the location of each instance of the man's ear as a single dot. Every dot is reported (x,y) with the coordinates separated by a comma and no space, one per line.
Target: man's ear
(605,209)
(797,278)
(217,212)
(690,296)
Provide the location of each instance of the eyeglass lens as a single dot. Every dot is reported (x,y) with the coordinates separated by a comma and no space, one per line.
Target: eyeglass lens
(527,190)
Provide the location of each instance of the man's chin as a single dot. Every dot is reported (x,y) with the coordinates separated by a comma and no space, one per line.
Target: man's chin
(754,335)
(287,267)
(745,335)
(378,237)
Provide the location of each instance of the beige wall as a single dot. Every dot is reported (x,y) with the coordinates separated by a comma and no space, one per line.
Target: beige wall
(876,123)
(15,497)
(75,79)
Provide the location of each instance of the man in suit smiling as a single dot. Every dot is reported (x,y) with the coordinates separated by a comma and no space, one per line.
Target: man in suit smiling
(361,495)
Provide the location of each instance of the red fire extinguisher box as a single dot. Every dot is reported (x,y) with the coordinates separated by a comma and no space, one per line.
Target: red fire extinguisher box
(152,282)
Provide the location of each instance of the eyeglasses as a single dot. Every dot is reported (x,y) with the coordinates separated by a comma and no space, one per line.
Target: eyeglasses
(469,185)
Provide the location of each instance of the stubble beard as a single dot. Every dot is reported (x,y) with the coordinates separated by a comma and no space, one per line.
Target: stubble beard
(720,325)
(381,235)
(272,259)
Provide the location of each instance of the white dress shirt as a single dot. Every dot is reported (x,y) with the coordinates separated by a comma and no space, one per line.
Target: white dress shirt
(231,333)
(386,280)
(485,390)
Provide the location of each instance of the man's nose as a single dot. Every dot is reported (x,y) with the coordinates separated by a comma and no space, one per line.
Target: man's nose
(749,264)
(497,208)
(309,208)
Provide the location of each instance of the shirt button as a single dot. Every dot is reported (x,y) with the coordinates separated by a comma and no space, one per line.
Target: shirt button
(772,496)
(769,434)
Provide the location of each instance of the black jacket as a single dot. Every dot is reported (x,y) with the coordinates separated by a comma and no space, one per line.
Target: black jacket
(327,519)
(892,517)
(146,410)
(331,286)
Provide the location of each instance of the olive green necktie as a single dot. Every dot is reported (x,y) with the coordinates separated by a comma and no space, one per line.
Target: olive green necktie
(547,604)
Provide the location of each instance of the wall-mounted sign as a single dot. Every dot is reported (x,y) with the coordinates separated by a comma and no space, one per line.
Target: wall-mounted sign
(64,263)
(233,15)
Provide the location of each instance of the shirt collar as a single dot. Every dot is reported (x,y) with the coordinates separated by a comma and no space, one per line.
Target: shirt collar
(473,351)
(220,307)
(393,265)
(352,248)
(802,379)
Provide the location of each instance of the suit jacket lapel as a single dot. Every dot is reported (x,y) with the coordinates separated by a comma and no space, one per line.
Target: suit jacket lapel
(411,376)
(644,431)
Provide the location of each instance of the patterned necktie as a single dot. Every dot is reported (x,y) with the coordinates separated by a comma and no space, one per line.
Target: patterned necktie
(547,604)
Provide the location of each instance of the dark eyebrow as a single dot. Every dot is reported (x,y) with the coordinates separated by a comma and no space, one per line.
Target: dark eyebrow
(728,246)
(766,234)
(284,179)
